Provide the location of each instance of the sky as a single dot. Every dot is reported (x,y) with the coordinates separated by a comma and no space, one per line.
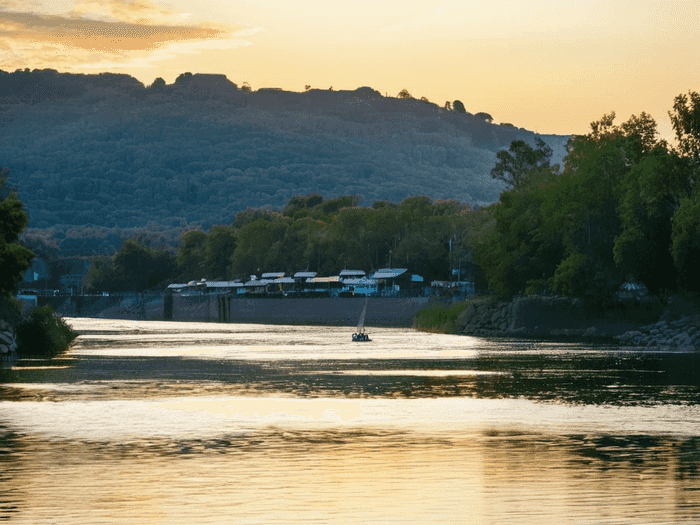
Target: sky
(548,66)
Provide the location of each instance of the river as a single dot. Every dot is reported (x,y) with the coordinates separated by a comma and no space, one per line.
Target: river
(160,422)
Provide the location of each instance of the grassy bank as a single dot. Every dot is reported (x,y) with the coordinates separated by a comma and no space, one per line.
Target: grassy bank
(440,318)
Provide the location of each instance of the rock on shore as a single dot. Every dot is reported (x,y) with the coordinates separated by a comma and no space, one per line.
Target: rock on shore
(681,334)
(8,343)
(552,317)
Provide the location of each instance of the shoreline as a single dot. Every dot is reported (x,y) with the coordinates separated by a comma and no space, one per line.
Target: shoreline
(626,323)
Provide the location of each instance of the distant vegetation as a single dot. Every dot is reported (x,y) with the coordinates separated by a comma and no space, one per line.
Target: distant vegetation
(101,158)
(624,206)
(308,233)
(324,180)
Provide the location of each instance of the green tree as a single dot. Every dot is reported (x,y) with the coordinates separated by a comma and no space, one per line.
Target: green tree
(458,106)
(221,243)
(519,160)
(651,194)
(14,258)
(191,256)
(100,276)
(685,119)
(585,205)
(686,241)
(137,268)
(255,246)
(516,250)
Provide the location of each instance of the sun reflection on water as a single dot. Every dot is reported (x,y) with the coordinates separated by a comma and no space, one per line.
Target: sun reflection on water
(204,423)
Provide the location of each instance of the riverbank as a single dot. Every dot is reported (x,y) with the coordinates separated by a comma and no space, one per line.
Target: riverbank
(674,324)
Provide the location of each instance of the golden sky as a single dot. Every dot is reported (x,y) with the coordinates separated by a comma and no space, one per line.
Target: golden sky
(548,66)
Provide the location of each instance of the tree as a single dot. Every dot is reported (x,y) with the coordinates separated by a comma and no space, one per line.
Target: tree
(134,268)
(448,105)
(686,221)
(255,242)
(515,249)
(685,119)
(158,85)
(221,243)
(514,165)
(686,241)
(458,106)
(404,94)
(191,255)
(485,116)
(14,258)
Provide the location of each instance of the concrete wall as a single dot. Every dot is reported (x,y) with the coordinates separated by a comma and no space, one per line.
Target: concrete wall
(327,311)
(132,306)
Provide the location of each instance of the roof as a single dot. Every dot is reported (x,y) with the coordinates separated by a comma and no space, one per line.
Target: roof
(272,275)
(362,280)
(258,282)
(352,273)
(333,279)
(302,275)
(388,273)
(284,280)
(223,284)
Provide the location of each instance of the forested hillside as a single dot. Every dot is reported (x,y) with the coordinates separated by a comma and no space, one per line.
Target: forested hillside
(95,155)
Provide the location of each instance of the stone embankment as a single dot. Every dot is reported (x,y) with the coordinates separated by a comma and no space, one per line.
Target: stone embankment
(8,343)
(546,317)
(681,334)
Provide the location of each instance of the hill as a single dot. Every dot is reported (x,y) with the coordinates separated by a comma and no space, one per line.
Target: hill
(104,153)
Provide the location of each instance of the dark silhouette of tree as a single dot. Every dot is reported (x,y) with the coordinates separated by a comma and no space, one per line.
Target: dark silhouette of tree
(404,94)
(485,116)
(685,119)
(158,85)
(14,258)
(458,106)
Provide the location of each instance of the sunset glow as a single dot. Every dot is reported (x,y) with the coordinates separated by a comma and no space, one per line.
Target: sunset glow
(547,66)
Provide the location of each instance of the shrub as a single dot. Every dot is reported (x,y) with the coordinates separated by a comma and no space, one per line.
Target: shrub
(43,334)
(441,318)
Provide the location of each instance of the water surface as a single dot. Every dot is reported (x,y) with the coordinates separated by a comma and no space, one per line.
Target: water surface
(155,422)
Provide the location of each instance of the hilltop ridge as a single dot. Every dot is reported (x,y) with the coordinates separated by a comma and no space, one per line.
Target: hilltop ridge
(106,152)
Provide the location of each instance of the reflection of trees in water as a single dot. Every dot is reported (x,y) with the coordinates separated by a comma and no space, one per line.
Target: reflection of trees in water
(10,450)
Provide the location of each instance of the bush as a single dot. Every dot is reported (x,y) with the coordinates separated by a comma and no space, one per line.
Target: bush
(43,334)
(441,318)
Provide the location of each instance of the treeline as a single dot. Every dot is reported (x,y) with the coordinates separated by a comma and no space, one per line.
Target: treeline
(624,206)
(308,233)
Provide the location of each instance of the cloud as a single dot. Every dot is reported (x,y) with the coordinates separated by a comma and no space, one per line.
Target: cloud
(112,32)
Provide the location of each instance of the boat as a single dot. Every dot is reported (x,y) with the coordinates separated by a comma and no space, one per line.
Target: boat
(360,336)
